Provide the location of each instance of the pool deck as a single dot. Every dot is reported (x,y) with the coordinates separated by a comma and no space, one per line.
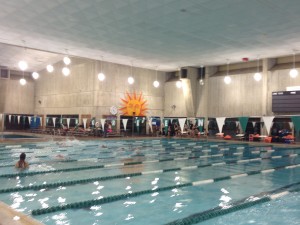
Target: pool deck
(8,216)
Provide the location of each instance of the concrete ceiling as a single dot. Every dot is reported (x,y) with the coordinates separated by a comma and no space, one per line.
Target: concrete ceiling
(147,33)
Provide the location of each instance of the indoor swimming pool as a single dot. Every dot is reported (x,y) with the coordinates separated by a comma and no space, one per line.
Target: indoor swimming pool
(152,181)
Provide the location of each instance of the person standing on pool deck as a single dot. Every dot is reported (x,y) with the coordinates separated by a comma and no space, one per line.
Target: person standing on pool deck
(22,164)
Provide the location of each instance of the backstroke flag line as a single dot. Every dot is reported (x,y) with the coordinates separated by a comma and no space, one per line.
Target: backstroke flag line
(182,122)
(53,119)
(84,122)
(268,122)
(220,122)
(102,121)
(124,123)
(68,122)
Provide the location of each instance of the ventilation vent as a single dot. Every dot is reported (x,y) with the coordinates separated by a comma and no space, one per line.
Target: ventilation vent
(4,73)
(183,73)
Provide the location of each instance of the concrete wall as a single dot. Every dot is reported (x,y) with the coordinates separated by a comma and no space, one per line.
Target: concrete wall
(15,98)
(240,98)
(245,96)
(174,104)
(82,93)
(182,102)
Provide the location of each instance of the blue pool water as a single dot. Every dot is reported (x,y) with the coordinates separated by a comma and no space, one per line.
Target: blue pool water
(151,182)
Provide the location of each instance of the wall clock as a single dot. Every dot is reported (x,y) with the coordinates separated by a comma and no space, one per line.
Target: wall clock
(113,110)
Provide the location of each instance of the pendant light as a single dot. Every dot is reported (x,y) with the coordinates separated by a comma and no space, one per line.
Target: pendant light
(101,75)
(293,72)
(131,79)
(156,83)
(227,78)
(179,82)
(201,81)
(22,80)
(66,71)
(50,68)
(257,76)
(35,75)
(23,66)
(66,59)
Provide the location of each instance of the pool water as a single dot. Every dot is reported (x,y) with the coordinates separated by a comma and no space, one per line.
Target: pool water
(155,181)
(280,211)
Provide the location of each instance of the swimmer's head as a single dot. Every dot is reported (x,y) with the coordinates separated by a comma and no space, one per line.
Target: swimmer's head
(22,156)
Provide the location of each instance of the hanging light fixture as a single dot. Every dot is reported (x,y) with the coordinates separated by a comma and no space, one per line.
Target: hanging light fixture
(227,78)
(178,84)
(293,72)
(23,64)
(35,75)
(66,71)
(66,59)
(201,81)
(22,80)
(131,79)
(156,83)
(101,75)
(50,68)
(257,76)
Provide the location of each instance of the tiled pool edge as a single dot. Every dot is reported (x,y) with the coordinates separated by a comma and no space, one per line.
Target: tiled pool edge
(9,216)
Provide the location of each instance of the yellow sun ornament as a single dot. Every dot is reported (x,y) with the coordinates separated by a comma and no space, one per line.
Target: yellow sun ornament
(133,105)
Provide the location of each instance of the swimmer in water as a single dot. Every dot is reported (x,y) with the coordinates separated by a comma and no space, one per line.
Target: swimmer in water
(22,164)
(60,156)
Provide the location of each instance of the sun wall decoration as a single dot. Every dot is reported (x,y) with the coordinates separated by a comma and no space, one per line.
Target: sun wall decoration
(133,105)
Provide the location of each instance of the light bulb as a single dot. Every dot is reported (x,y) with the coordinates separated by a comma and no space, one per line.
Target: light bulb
(179,84)
(50,68)
(23,65)
(227,79)
(101,76)
(130,80)
(22,81)
(156,84)
(293,73)
(257,76)
(66,71)
(35,75)
(67,60)
(201,82)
